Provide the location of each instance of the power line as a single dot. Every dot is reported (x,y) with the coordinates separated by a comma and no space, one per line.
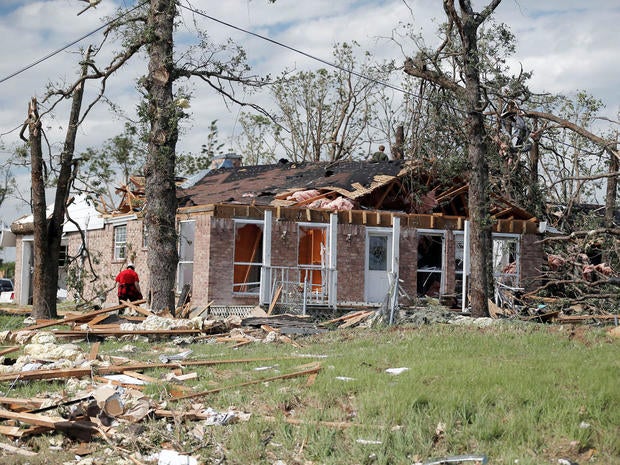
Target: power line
(313,57)
(56,52)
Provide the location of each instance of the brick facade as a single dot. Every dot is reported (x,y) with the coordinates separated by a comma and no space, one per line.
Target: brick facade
(214,243)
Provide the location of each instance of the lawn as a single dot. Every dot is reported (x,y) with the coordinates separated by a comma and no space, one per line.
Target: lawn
(519,393)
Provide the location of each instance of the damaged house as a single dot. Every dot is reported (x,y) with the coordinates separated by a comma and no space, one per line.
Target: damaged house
(332,234)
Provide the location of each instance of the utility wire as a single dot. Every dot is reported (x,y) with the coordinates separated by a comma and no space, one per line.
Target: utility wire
(56,52)
(312,57)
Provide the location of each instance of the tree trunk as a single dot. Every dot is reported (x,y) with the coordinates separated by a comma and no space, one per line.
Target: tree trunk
(612,190)
(39,308)
(159,170)
(532,190)
(398,149)
(478,203)
(48,232)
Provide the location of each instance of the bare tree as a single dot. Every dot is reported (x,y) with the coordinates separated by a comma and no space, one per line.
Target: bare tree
(467,23)
(48,231)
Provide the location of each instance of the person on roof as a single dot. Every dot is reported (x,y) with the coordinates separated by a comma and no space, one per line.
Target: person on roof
(380,155)
(128,284)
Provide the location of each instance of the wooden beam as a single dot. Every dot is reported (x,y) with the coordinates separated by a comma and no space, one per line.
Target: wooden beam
(78,317)
(274,300)
(296,374)
(115,369)
(9,350)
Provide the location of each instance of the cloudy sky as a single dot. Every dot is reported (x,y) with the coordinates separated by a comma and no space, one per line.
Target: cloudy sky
(569,44)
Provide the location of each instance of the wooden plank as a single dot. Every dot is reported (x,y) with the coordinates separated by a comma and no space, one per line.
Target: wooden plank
(78,317)
(274,300)
(97,319)
(137,308)
(296,374)
(31,418)
(94,350)
(141,376)
(18,403)
(115,369)
(12,431)
(357,319)
(341,318)
(9,350)
(205,309)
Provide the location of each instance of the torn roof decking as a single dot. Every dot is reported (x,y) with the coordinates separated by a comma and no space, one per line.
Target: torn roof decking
(264,184)
(379,191)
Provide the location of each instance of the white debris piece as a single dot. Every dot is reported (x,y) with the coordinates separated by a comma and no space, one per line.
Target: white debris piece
(51,351)
(155,322)
(396,371)
(172,457)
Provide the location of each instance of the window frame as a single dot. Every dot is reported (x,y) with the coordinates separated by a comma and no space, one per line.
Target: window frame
(185,266)
(251,266)
(119,246)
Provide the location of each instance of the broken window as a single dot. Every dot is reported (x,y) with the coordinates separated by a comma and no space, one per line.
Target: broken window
(248,257)
(506,259)
(378,252)
(312,256)
(430,264)
(63,255)
(185,268)
(120,242)
(459,258)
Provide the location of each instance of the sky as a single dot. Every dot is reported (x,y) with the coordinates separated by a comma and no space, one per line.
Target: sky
(569,45)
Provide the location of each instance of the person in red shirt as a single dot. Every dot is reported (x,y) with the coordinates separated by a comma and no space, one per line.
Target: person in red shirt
(128,284)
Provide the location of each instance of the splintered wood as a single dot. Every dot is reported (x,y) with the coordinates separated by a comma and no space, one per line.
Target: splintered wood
(117,384)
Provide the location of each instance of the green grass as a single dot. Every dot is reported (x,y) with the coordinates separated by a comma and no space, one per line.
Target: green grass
(515,392)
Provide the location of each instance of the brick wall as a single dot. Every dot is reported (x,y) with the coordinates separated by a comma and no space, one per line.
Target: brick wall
(100,243)
(351,262)
(408,264)
(214,254)
(532,257)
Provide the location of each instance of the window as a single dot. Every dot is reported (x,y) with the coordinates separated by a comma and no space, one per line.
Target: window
(430,264)
(185,270)
(459,257)
(248,257)
(311,256)
(506,259)
(63,255)
(120,242)
(378,252)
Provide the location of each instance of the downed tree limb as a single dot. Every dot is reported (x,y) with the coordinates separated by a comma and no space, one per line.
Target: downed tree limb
(296,374)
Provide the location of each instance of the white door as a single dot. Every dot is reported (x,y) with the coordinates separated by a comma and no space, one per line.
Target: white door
(378,263)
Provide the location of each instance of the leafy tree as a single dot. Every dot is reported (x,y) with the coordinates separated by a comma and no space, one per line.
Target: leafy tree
(189,164)
(257,138)
(324,114)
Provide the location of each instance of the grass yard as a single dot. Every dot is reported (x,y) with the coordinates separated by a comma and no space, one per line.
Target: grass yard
(526,394)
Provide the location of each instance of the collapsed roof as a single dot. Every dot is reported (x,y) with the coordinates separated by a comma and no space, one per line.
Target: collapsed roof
(395,185)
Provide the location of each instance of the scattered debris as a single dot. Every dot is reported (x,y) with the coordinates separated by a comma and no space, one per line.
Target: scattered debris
(396,371)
